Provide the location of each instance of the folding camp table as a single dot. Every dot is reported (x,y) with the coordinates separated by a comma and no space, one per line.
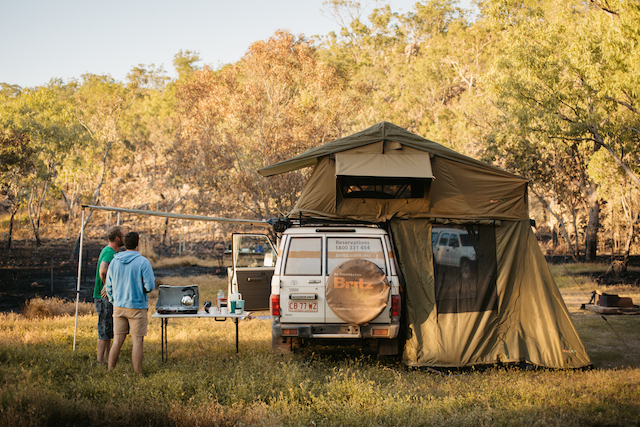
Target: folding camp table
(214,314)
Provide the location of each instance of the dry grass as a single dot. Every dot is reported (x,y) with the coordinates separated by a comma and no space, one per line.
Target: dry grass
(204,383)
(51,307)
(184,261)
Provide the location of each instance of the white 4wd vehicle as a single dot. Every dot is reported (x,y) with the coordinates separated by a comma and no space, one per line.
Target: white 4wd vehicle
(335,283)
(452,247)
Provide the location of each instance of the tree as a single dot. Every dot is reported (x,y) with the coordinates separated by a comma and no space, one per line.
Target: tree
(419,69)
(16,163)
(623,200)
(101,103)
(277,101)
(42,115)
(553,81)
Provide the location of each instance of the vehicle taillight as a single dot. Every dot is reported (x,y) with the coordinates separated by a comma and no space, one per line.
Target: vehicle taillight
(275,305)
(395,305)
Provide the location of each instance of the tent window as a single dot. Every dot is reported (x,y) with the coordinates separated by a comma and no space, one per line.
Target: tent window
(353,187)
(465,268)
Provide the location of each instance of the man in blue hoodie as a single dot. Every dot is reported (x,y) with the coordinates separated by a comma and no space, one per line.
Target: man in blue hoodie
(129,279)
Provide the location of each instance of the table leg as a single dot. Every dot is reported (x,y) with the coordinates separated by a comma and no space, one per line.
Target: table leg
(236,319)
(163,339)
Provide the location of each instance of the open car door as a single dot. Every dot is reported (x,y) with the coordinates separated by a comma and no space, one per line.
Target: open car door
(254,260)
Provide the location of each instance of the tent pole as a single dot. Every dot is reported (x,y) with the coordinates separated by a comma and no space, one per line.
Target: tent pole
(118,223)
(75,329)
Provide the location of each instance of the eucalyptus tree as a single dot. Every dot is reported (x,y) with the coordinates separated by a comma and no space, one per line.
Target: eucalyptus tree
(43,116)
(17,158)
(101,104)
(149,131)
(276,102)
(418,69)
(565,82)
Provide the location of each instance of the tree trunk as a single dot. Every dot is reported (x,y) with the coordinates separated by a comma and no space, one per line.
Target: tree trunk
(13,214)
(632,220)
(594,223)
(560,220)
(166,221)
(35,225)
(574,217)
(166,229)
(70,202)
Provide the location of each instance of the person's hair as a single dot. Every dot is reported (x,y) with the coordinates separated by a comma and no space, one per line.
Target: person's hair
(131,240)
(114,232)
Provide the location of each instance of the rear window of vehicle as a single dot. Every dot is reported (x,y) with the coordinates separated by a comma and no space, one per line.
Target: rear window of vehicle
(304,257)
(341,249)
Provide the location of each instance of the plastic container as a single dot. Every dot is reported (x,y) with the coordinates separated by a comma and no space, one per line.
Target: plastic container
(233,299)
(220,299)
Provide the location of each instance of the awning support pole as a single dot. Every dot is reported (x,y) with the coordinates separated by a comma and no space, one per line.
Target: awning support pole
(75,329)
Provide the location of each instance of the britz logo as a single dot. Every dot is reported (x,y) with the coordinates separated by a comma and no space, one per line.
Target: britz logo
(342,283)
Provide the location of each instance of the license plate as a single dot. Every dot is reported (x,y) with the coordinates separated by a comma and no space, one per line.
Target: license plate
(303,306)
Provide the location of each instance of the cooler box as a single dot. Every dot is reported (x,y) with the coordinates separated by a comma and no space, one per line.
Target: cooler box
(170,299)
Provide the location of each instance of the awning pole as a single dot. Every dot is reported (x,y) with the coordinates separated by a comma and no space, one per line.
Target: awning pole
(75,330)
(118,223)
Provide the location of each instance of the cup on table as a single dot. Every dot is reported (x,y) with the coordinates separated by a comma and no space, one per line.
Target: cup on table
(224,311)
(239,306)
(232,308)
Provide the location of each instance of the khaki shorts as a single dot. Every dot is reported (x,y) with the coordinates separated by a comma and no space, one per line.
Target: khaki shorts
(130,321)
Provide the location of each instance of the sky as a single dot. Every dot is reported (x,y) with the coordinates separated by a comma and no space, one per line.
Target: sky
(45,39)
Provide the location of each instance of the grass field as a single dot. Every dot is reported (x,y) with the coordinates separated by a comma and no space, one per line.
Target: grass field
(44,383)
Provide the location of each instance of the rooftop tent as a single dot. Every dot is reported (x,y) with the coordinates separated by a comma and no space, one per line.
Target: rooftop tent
(508,309)
(451,185)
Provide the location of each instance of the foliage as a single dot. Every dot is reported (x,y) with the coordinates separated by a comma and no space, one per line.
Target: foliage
(277,101)
(40,118)
(557,96)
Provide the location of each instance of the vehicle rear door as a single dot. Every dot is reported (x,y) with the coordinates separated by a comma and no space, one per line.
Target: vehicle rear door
(254,258)
(302,281)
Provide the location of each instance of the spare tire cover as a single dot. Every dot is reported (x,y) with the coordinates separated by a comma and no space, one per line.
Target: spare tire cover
(357,291)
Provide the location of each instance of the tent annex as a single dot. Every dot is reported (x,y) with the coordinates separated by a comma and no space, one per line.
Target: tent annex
(506,307)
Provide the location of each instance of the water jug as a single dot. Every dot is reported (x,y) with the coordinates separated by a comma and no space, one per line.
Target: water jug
(220,299)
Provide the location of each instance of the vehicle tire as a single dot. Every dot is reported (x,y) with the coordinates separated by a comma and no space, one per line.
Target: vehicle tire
(357,291)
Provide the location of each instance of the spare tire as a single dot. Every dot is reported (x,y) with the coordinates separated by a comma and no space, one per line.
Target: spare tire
(357,291)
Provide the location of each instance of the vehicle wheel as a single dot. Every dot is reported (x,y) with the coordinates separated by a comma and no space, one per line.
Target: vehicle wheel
(357,291)
(466,269)
(281,345)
